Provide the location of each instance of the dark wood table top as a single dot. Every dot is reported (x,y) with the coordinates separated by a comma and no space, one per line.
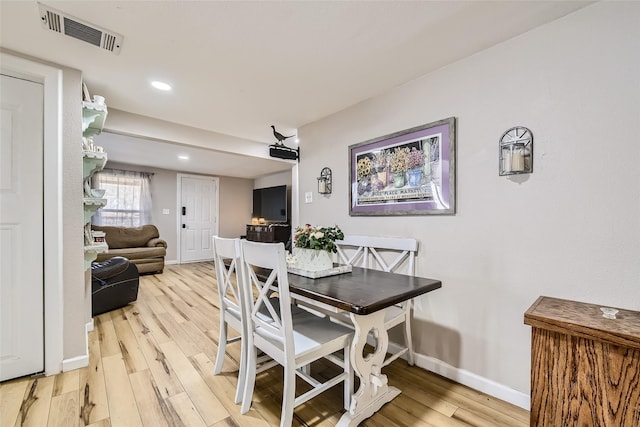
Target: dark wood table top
(363,291)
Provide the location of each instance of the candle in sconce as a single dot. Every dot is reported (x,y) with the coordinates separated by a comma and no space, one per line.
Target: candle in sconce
(506,160)
(517,161)
(322,186)
(98,100)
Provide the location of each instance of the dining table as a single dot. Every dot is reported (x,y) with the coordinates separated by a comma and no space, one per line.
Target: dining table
(364,294)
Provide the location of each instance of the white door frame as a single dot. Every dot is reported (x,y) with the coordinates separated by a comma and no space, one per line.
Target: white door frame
(51,78)
(216,228)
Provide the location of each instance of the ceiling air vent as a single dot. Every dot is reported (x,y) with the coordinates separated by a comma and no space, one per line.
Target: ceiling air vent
(63,23)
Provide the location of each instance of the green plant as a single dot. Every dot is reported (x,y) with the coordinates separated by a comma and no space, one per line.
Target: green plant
(322,238)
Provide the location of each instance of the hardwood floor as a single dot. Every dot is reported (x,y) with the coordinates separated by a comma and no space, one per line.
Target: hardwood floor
(151,364)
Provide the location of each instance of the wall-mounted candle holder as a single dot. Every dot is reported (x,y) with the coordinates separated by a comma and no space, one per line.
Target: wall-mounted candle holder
(516,151)
(324,181)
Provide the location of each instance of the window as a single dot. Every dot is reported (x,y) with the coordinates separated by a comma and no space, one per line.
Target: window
(128,198)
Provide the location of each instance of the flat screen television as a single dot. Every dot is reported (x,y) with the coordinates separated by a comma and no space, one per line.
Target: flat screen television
(270,203)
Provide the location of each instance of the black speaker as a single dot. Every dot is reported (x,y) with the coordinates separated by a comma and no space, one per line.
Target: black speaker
(284,152)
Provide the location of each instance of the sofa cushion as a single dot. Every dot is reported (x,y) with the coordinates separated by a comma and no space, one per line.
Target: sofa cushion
(153,265)
(128,237)
(138,253)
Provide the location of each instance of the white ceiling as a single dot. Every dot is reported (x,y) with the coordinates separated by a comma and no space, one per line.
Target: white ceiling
(239,66)
(144,151)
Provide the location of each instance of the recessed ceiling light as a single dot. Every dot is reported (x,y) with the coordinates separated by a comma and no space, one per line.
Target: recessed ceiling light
(183,157)
(161,85)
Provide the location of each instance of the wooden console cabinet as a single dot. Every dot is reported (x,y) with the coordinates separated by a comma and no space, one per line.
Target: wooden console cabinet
(585,369)
(272,233)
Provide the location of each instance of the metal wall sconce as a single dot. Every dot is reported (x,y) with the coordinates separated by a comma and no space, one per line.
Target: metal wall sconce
(516,151)
(324,181)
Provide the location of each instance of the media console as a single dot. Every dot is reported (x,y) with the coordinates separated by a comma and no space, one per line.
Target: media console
(269,233)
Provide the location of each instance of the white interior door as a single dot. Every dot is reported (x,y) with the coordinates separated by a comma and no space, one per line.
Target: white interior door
(21,228)
(198,217)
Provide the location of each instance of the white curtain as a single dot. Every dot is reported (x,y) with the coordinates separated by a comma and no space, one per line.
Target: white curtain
(128,197)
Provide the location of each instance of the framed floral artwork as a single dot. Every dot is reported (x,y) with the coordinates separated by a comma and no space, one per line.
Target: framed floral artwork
(411,172)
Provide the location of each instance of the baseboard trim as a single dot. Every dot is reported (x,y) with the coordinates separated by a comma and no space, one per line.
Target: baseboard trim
(191,262)
(79,361)
(469,379)
(75,363)
(175,261)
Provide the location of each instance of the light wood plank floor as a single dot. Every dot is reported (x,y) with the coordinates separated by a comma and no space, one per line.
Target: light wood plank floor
(151,364)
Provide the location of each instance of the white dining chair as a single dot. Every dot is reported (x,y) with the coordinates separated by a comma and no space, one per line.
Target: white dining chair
(226,255)
(293,342)
(390,254)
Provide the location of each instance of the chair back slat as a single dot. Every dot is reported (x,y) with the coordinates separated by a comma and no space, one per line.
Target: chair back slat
(350,260)
(369,249)
(271,322)
(226,251)
(270,256)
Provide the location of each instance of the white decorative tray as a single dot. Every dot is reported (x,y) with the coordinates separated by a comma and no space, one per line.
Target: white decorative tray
(339,269)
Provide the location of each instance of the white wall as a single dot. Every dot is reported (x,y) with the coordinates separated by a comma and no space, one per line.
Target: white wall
(569,230)
(272,180)
(235,198)
(77,290)
(236,205)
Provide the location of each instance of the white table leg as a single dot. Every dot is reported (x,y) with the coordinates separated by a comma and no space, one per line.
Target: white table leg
(373,392)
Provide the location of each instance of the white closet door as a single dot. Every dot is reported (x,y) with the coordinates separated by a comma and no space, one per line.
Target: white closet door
(21,228)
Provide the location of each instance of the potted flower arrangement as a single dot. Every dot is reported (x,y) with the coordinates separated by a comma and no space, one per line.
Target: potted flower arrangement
(398,165)
(364,175)
(380,163)
(415,161)
(313,247)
